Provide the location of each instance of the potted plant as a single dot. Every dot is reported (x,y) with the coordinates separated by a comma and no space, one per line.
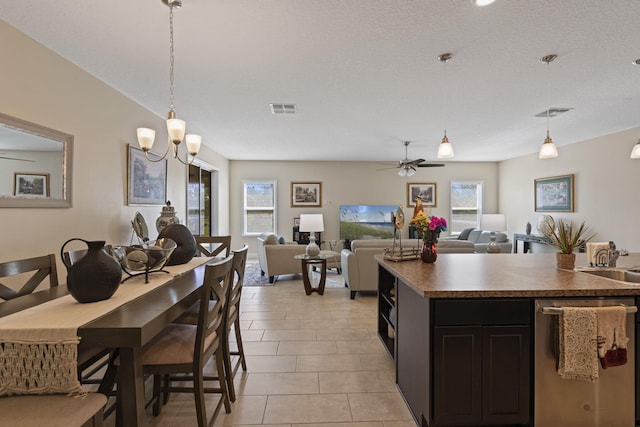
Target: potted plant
(567,237)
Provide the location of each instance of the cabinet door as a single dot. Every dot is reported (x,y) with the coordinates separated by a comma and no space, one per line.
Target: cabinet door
(457,375)
(506,377)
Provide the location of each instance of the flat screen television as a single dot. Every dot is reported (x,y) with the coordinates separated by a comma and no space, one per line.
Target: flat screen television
(366,221)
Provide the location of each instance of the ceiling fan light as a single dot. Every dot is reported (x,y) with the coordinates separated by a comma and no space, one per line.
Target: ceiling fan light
(411,171)
(483,2)
(548,150)
(635,152)
(402,172)
(445,149)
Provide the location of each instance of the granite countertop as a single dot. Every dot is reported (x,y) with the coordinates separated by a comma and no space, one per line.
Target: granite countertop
(507,276)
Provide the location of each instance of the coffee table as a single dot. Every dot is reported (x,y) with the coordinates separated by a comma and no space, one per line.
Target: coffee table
(311,261)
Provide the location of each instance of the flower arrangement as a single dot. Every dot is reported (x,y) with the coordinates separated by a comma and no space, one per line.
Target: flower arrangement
(428,226)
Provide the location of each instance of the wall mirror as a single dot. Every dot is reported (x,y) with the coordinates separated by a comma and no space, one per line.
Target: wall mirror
(35,165)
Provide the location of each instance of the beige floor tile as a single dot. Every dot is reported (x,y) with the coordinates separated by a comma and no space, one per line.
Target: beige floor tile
(357,382)
(248,335)
(245,410)
(262,315)
(245,324)
(252,348)
(275,324)
(342,334)
(370,324)
(366,424)
(289,335)
(309,315)
(280,383)
(307,347)
(377,362)
(271,363)
(371,346)
(378,407)
(328,363)
(399,424)
(312,408)
(319,324)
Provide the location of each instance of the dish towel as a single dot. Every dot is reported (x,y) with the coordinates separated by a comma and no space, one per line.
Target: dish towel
(578,356)
(612,336)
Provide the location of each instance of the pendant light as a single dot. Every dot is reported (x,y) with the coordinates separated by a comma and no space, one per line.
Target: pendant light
(445,149)
(635,152)
(175,127)
(548,150)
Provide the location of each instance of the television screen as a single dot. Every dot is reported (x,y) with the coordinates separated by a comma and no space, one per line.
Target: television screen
(366,221)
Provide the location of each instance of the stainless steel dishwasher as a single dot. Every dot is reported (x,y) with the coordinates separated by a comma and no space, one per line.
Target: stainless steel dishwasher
(607,402)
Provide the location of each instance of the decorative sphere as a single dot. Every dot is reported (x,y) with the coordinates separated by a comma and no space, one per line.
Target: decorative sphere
(137,260)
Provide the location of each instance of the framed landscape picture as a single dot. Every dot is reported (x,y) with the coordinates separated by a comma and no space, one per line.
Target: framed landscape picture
(147,181)
(425,190)
(306,194)
(554,194)
(31,184)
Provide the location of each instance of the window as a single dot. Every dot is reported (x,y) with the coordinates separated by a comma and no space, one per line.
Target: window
(259,207)
(201,200)
(466,205)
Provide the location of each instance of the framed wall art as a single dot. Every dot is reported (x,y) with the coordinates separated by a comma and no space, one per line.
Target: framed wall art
(31,184)
(554,194)
(425,190)
(306,194)
(147,181)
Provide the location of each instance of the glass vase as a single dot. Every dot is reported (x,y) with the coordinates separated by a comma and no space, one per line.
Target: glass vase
(429,251)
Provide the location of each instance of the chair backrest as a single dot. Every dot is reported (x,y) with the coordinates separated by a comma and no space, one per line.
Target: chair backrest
(223,242)
(42,267)
(235,290)
(71,257)
(217,279)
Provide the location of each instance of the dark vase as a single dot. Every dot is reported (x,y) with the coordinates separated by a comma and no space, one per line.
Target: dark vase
(429,251)
(94,277)
(186,243)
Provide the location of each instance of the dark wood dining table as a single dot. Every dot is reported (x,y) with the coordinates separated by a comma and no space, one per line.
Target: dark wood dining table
(128,328)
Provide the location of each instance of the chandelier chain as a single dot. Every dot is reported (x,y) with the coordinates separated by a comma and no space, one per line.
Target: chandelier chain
(171,62)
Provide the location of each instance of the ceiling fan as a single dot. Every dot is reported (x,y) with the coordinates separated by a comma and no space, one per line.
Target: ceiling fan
(13,158)
(407,167)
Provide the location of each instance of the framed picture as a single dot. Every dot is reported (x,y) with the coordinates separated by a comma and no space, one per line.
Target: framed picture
(554,194)
(296,222)
(306,194)
(31,184)
(425,190)
(147,181)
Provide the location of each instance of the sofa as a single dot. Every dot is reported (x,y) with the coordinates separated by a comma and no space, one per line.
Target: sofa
(276,256)
(481,239)
(360,268)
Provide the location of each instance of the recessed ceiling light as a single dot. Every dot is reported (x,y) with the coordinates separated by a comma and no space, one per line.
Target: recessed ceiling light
(482,2)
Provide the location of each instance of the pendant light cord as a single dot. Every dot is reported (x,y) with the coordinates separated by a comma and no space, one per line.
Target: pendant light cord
(548,94)
(444,96)
(171,62)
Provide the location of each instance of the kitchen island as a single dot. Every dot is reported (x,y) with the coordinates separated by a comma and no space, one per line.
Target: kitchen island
(462,332)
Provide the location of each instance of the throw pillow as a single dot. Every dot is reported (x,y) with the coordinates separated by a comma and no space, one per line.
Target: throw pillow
(464,234)
(271,239)
(281,240)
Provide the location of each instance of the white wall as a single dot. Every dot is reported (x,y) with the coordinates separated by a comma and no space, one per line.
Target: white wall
(41,87)
(349,183)
(605,181)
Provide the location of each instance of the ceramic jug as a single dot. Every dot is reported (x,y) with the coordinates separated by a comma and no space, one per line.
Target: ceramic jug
(94,277)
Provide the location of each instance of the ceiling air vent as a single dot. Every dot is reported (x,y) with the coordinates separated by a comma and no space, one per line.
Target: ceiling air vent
(553,112)
(283,108)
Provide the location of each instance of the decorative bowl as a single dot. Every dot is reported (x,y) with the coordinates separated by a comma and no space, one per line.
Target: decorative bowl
(141,258)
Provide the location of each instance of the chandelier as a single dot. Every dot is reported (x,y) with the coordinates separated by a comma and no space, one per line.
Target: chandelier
(175,127)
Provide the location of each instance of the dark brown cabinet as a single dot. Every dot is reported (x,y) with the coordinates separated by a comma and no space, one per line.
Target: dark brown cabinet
(387,309)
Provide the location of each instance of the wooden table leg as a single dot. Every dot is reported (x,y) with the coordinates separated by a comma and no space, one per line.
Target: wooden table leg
(305,277)
(131,387)
(323,277)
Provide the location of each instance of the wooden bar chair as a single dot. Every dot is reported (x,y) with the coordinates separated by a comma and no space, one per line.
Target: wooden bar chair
(43,267)
(52,410)
(204,244)
(185,349)
(232,319)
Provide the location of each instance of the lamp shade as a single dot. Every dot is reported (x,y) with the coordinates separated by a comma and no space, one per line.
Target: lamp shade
(311,223)
(493,222)
(445,149)
(635,152)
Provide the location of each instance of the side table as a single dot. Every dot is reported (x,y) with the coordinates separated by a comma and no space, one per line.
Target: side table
(307,263)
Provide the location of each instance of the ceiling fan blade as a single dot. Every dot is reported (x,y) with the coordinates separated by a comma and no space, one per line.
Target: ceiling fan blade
(430,165)
(20,160)
(415,162)
(392,167)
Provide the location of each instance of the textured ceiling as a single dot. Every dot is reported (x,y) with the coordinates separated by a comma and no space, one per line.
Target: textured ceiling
(364,74)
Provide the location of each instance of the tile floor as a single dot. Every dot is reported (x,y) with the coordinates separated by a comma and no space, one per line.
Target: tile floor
(313,361)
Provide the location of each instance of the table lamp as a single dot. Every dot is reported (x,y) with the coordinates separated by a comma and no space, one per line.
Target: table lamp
(312,223)
(493,223)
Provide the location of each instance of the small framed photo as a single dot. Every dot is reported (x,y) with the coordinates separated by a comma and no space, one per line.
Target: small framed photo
(296,222)
(425,190)
(554,194)
(306,194)
(31,184)
(147,181)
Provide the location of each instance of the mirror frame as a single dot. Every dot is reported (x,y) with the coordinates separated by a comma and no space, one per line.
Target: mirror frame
(67,165)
